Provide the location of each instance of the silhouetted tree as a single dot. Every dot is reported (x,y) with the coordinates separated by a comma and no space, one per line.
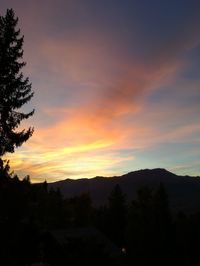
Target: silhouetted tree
(4,169)
(140,227)
(116,214)
(150,229)
(162,225)
(182,239)
(81,209)
(15,90)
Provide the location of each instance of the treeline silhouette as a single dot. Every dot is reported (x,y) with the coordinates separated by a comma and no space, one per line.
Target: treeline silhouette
(145,232)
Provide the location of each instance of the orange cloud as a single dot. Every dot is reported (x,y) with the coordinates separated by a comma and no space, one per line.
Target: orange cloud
(72,143)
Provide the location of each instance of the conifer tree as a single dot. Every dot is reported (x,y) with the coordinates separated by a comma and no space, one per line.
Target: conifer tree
(117,215)
(15,89)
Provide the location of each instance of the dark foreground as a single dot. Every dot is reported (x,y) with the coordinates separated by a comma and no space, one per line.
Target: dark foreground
(40,227)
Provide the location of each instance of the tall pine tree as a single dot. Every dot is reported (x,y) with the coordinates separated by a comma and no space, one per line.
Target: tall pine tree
(117,212)
(15,90)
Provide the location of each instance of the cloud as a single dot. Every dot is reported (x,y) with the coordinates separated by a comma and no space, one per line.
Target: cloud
(93,71)
(66,163)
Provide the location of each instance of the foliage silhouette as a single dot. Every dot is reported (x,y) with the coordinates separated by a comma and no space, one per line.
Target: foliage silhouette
(150,234)
(15,90)
(116,215)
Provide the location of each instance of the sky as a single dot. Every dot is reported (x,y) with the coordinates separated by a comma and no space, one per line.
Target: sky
(117,87)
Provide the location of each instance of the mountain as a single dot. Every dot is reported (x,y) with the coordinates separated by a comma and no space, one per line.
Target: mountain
(183,191)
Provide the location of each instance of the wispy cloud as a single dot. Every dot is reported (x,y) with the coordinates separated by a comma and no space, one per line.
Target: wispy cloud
(94,71)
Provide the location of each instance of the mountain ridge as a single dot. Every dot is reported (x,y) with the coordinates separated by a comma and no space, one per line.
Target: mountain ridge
(183,191)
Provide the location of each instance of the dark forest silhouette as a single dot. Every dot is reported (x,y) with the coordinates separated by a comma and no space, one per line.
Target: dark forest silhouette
(38,226)
(32,217)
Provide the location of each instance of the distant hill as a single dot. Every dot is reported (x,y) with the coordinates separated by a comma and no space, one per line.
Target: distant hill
(183,191)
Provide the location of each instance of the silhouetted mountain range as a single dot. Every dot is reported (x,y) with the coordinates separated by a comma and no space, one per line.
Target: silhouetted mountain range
(183,191)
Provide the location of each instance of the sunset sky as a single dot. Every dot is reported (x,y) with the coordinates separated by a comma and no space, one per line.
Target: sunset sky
(117,87)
